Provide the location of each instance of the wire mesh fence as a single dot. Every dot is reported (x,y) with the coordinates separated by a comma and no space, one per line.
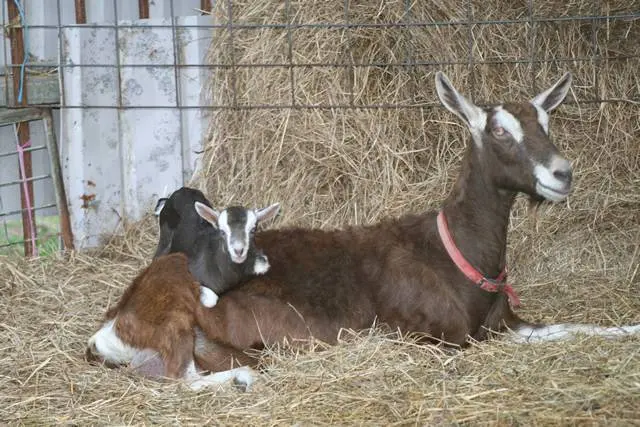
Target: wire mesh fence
(123,44)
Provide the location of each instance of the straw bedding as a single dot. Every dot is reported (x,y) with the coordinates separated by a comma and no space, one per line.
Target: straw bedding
(576,261)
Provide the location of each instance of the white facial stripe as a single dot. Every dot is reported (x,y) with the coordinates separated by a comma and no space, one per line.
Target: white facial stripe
(248,226)
(237,240)
(223,222)
(252,221)
(508,121)
(478,124)
(110,347)
(223,225)
(543,118)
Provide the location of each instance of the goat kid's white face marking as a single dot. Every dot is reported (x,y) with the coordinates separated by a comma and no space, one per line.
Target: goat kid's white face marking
(108,346)
(547,185)
(237,240)
(504,119)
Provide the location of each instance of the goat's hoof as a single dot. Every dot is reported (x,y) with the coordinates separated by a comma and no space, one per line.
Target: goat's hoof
(208,298)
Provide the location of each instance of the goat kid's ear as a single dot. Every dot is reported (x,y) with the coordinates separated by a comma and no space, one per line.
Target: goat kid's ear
(208,214)
(552,97)
(268,213)
(159,206)
(470,113)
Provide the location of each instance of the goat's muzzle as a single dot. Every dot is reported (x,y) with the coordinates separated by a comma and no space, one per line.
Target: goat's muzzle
(553,181)
(91,356)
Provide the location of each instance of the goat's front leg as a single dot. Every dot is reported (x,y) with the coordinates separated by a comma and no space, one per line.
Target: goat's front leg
(208,298)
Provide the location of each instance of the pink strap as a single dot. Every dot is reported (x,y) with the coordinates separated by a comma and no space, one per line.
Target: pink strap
(496,285)
(27,195)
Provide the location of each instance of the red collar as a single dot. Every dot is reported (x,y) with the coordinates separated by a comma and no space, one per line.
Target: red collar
(498,284)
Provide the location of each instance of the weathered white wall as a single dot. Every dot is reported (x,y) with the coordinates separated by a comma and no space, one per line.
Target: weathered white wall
(125,158)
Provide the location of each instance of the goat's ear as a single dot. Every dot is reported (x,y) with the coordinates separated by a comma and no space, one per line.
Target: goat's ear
(470,113)
(159,205)
(552,97)
(268,213)
(208,214)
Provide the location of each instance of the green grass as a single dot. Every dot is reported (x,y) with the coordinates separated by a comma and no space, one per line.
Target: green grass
(48,241)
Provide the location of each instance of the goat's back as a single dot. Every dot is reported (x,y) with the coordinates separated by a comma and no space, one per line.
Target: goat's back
(320,281)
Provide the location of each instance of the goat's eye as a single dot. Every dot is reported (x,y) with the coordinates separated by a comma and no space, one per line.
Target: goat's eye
(499,131)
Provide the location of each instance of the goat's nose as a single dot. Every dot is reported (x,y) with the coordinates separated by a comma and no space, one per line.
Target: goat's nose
(564,175)
(238,252)
(90,354)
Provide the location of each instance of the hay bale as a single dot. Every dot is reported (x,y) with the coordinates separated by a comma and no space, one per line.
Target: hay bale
(578,262)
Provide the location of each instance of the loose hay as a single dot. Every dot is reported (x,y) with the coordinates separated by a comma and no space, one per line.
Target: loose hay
(576,262)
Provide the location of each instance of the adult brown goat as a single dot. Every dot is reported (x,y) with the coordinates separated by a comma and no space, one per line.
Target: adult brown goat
(436,273)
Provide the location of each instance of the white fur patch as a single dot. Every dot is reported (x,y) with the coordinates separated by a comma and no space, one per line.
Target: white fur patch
(529,334)
(543,118)
(208,298)
(197,381)
(109,346)
(237,241)
(261,265)
(477,126)
(548,186)
(223,223)
(510,123)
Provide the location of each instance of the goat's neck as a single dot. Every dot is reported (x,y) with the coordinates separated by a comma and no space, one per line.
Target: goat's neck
(478,215)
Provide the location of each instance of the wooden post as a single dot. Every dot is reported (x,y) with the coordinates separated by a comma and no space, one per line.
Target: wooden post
(17,57)
(143,9)
(81,12)
(58,182)
(205,5)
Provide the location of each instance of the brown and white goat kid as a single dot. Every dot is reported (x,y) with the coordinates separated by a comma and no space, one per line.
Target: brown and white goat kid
(153,325)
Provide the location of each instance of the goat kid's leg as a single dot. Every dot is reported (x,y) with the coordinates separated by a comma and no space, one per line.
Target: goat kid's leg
(215,356)
(243,375)
(527,333)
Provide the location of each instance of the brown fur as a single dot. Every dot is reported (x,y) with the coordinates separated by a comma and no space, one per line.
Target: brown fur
(157,312)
